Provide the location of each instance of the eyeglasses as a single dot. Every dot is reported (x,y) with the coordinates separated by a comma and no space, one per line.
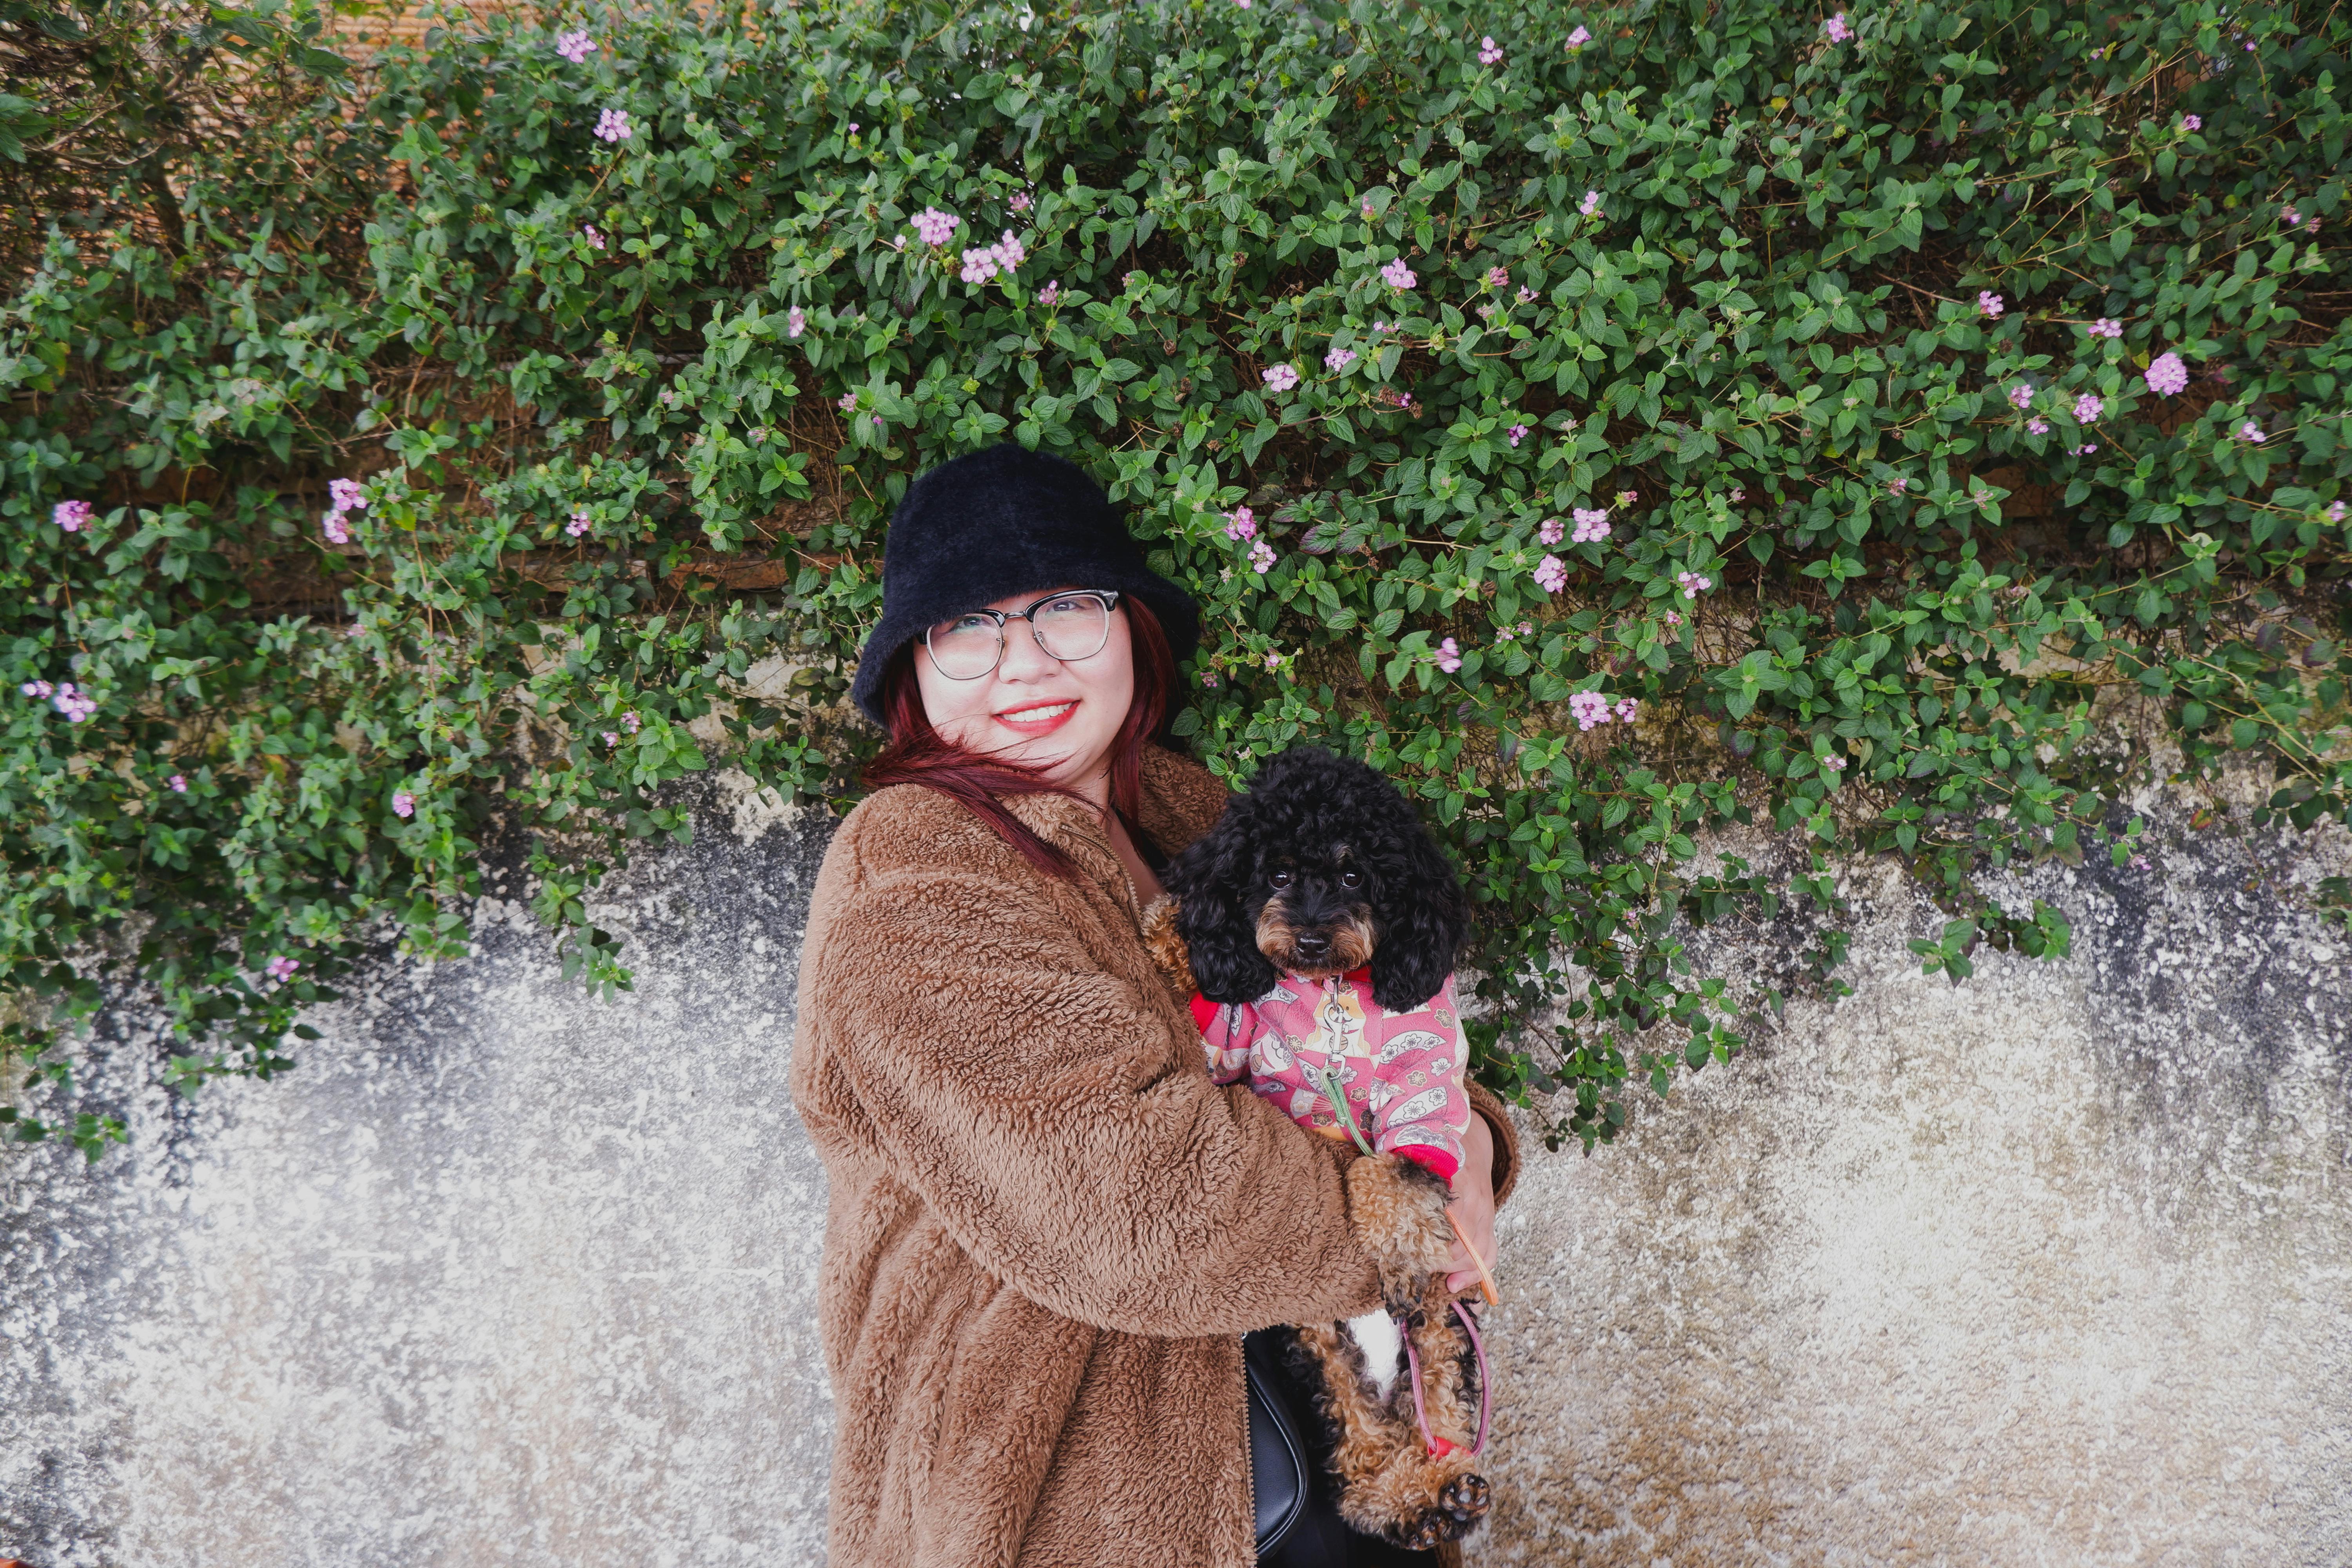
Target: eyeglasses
(1065,625)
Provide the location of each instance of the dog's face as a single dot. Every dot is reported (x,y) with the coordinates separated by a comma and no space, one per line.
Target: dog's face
(1313,912)
(1322,868)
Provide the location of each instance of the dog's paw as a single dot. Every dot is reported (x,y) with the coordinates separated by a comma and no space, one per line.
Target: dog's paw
(1456,1512)
(1167,948)
(1398,1209)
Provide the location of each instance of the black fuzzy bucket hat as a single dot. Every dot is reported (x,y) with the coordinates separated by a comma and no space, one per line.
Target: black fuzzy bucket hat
(998,522)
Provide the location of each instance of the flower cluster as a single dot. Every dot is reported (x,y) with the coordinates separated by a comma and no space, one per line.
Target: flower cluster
(1590,205)
(1490,53)
(1551,575)
(343,496)
(1837,29)
(795,322)
(177,783)
(1525,630)
(2250,432)
(1579,38)
(1591,525)
(2191,123)
(1050,294)
(1261,558)
(1518,433)
(1338,359)
(1693,584)
(75,704)
(281,968)
(1591,710)
(595,240)
(575,46)
(1448,656)
(1397,275)
(2021,396)
(578,525)
(981,265)
(2037,426)
(1832,763)
(1551,530)
(612,125)
(2089,407)
(2167,376)
(404,803)
(73,516)
(933,226)
(2106,327)
(1240,524)
(1989,304)
(1281,378)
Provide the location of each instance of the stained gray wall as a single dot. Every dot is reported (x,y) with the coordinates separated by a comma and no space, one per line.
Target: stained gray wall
(2054,1266)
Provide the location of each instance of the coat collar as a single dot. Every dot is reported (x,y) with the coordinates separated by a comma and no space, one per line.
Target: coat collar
(1181,800)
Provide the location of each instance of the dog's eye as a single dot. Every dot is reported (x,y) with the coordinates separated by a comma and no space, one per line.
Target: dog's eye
(1352,879)
(1280,879)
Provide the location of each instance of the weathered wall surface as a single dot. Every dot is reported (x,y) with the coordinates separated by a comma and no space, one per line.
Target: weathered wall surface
(2054,1267)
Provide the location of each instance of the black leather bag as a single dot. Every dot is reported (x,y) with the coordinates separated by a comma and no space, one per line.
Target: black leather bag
(1278,1473)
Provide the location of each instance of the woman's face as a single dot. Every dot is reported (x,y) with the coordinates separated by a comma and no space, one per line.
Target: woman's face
(1055,716)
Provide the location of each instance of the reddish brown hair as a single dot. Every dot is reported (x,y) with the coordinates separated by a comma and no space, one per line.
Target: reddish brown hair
(917,755)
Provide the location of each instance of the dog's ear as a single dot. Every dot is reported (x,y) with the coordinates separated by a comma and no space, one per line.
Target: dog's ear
(1423,918)
(1211,881)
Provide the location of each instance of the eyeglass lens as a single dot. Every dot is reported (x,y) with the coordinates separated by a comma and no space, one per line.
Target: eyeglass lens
(968,647)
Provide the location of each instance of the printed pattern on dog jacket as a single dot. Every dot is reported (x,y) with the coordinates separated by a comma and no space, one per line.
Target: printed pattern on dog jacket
(1402,1072)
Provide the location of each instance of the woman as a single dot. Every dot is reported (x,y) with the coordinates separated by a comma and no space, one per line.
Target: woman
(1047,1230)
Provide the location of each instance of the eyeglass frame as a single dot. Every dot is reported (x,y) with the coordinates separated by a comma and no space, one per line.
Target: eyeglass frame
(1108,597)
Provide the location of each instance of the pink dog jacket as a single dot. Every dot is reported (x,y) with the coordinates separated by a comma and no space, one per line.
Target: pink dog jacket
(1402,1072)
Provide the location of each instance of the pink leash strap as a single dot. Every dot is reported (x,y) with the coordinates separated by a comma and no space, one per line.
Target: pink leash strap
(1486,1381)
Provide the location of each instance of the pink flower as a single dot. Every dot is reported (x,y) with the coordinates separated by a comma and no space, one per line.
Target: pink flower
(177,783)
(612,125)
(1591,525)
(1518,434)
(1590,205)
(2336,512)
(1489,52)
(611,740)
(1579,38)
(1837,29)
(2289,217)
(1244,4)
(1281,378)
(795,322)
(2038,425)
(2191,123)
(331,525)
(1988,302)
(1626,709)
(1209,679)
(1627,498)
(1672,619)
(980,266)
(933,226)
(2167,376)
(1367,209)
(1240,524)
(76,705)
(1526,294)
(1589,709)
(1261,558)
(574,47)
(2252,432)
(588,232)
(36,688)
(345,495)
(1550,532)
(404,803)
(73,516)
(1274,661)
(1019,202)
(1896,486)
(1737,495)
(1449,656)
(2021,395)
(1835,765)
(1338,359)
(1397,275)
(1497,278)
(2085,451)
(1693,584)
(1050,293)
(760,435)
(578,525)
(1009,252)
(630,721)
(2106,327)
(2089,407)
(1551,575)
(852,128)
(281,968)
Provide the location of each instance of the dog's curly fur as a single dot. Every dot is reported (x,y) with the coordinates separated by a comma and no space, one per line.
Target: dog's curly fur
(1322,867)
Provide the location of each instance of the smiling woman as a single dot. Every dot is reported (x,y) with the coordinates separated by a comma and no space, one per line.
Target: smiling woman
(1049,1230)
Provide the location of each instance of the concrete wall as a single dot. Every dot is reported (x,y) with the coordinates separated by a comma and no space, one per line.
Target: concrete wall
(2051,1267)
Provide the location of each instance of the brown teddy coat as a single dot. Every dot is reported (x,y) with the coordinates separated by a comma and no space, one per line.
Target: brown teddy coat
(1047,1229)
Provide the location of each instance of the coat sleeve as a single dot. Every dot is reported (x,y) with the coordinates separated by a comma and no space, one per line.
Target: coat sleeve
(1039,1107)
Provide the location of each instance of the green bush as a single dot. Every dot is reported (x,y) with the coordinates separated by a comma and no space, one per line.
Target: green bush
(1807,311)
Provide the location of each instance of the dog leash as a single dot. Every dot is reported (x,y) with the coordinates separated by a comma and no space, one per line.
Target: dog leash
(1435,1445)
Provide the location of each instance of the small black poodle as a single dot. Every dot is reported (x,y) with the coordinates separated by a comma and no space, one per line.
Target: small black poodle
(1322,873)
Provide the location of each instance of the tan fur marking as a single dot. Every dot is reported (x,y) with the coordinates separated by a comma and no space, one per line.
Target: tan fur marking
(1351,941)
(1167,948)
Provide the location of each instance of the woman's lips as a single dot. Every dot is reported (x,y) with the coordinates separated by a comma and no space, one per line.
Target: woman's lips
(1038,718)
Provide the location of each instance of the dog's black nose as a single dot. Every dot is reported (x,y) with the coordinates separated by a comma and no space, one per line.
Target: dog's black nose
(1308,944)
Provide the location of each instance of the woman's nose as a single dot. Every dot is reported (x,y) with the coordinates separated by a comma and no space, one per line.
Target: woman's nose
(1024,659)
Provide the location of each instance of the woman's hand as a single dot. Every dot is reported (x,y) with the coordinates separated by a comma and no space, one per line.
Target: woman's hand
(1473,1208)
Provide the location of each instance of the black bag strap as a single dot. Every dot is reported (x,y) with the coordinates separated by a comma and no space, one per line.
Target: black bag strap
(1278,1473)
